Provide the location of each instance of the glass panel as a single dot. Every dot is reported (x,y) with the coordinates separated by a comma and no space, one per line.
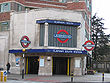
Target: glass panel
(19,7)
(75,0)
(4,26)
(42,32)
(0,7)
(86,1)
(108,65)
(99,65)
(77,63)
(62,35)
(90,8)
(94,65)
(5,7)
(0,27)
(64,1)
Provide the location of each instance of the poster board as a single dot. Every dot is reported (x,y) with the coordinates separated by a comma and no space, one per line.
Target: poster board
(17,61)
(41,62)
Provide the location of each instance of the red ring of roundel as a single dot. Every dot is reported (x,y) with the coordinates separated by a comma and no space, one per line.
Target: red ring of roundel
(60,39)
(91,43)
(25,46)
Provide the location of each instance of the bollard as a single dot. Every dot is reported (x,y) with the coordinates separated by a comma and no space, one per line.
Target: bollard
(1,74)
(72,77)
(5,76)
(103,76)
(22,73)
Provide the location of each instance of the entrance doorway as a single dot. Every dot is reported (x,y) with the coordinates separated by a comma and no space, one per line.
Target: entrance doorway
(33,65)
(60,65)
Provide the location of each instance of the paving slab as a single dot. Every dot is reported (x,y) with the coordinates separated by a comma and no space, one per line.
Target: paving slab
(59,78)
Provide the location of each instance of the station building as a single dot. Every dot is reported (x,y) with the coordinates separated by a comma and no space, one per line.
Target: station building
(55,31)
(56,38)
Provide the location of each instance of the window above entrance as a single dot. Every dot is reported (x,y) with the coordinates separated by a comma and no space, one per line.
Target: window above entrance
(60,33)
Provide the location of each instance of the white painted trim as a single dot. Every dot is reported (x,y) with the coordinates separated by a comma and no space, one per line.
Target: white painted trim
(45,4)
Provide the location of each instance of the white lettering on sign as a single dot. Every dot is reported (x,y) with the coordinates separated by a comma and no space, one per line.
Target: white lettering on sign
(59,22)
(58,50)
(77,51)
(62,36)
(67,51)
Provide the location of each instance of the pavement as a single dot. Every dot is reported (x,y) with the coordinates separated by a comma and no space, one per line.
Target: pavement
(32,78)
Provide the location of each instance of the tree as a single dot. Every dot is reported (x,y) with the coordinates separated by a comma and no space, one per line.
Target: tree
(99,38)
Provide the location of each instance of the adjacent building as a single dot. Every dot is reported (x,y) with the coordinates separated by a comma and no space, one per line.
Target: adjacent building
(52,33)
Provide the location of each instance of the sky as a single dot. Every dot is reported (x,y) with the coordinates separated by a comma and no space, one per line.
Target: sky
(102,9)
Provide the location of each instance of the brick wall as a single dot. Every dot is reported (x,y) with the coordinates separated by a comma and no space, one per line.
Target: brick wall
(20,1)
(79,6)
(4,16)
(1,1)
(87,27)
(38,3)
(76,5)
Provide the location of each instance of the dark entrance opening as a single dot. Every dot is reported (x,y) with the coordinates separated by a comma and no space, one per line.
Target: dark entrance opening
(60,65)
(33,65)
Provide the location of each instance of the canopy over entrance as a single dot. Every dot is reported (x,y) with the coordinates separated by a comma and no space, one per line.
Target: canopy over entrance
(49,51)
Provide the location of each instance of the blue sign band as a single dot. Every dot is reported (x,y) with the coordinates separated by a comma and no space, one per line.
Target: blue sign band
(62,36)
(88,45)
(58,22)
(25,41)
(49,51)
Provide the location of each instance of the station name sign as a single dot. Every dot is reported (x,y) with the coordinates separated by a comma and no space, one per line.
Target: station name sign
(50,51)
(58,22)
(68,51)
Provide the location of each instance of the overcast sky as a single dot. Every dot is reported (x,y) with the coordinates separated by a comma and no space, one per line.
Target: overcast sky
(102,8)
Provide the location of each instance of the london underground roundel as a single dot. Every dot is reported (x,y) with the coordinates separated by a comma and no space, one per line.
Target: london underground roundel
(25,41)
(89,45)
(60,36)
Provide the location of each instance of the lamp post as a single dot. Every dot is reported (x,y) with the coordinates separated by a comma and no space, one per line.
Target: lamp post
(24,43)
(23,63)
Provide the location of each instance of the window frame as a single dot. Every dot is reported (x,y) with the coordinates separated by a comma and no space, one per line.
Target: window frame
(4,27)
(5,7)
